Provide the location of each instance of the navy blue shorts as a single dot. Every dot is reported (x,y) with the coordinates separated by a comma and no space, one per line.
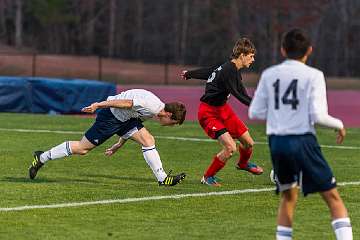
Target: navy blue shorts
(106,125)
(297,161)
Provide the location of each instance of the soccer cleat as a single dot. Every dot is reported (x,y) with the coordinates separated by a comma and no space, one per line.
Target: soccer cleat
(211,181)
(172,180)
(272,176)
(251,168)
(35,165)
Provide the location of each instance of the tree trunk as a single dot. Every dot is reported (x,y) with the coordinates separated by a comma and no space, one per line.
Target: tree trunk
(2,18)
(274,35)
(234,28)
(18,24)
(177,29)
(140,28)
(112,22)
(342,37)
(90,27)
(185,23)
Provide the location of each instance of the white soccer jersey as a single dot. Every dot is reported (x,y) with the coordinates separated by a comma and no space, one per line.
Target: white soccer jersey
(145,105)
(291,96)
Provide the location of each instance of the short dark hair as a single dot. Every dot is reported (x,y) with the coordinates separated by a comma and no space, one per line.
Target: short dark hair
(295,43)
(178,111)
(242,46)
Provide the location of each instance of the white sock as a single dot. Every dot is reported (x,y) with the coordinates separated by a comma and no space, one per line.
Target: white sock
(152,158)
(342,228)
(283,233)
(62,150)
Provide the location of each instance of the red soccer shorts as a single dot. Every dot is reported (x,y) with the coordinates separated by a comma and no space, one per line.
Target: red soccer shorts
(216,120)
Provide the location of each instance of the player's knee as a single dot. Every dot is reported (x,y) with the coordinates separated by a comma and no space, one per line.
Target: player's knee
(229,150)
(289,196)
(249,144)
(80,147)
(83,151)
(148,141)
(332,196)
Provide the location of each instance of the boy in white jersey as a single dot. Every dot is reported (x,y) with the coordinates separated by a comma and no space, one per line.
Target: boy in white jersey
(123,115)
(291,96)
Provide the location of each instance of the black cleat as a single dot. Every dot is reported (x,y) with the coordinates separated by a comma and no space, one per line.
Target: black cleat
(35,165)
(172,180)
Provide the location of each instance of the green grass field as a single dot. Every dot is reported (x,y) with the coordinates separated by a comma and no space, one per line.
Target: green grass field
(95,177)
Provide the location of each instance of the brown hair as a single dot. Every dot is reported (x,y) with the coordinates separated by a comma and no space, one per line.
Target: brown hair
(243,46)
(178,111)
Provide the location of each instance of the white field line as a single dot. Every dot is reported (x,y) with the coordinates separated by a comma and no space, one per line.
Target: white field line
(160,137)
(131,200)
(144,199)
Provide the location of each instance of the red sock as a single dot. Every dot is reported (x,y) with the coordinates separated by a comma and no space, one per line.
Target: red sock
(245,155)
(214,167)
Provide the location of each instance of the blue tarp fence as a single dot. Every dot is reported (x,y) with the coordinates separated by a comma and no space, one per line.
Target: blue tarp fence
(45,95)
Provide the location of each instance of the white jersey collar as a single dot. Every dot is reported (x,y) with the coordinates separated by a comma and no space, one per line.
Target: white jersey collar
(293,62)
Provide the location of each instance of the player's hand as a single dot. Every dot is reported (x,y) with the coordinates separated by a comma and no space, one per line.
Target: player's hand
(110,151)
(90,109)
(340,135)
(183,75)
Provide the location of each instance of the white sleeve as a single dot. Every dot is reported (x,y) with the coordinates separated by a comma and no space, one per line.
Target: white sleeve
(329,121)
(259,104)
(318,105)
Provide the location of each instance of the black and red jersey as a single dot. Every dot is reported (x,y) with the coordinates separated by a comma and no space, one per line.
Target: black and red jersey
(221,82)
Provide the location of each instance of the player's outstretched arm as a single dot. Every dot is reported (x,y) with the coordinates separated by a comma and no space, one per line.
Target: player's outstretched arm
(113,149)
(200,73)
(106,104)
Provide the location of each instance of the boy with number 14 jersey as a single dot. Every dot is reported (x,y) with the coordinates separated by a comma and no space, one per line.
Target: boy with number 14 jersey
(291,96)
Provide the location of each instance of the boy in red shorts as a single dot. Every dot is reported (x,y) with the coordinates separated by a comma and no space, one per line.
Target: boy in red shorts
(216,116)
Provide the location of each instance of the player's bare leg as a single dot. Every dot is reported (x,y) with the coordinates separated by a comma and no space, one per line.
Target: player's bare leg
(229,147)
(287,207)
(286,213)
(64,149)
(246,148)
(81,147)
(219,161)
(335,203)
(339,215)
(152,158)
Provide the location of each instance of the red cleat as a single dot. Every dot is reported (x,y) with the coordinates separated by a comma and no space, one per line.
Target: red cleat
(251,168)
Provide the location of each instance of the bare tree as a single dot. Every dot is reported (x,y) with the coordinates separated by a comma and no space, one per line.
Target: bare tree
(18,23)
(185,31)
(3,5)
(235,20)
(139,39)
(89,28)
(112,23)
(185,23)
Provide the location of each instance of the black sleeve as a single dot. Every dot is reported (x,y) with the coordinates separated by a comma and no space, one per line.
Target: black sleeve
(237,89)
(201,73)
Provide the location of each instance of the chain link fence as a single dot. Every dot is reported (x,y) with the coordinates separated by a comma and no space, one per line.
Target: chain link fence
(91,67)
(118,71)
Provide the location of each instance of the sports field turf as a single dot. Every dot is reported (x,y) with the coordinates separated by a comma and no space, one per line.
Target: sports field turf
(126,178)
